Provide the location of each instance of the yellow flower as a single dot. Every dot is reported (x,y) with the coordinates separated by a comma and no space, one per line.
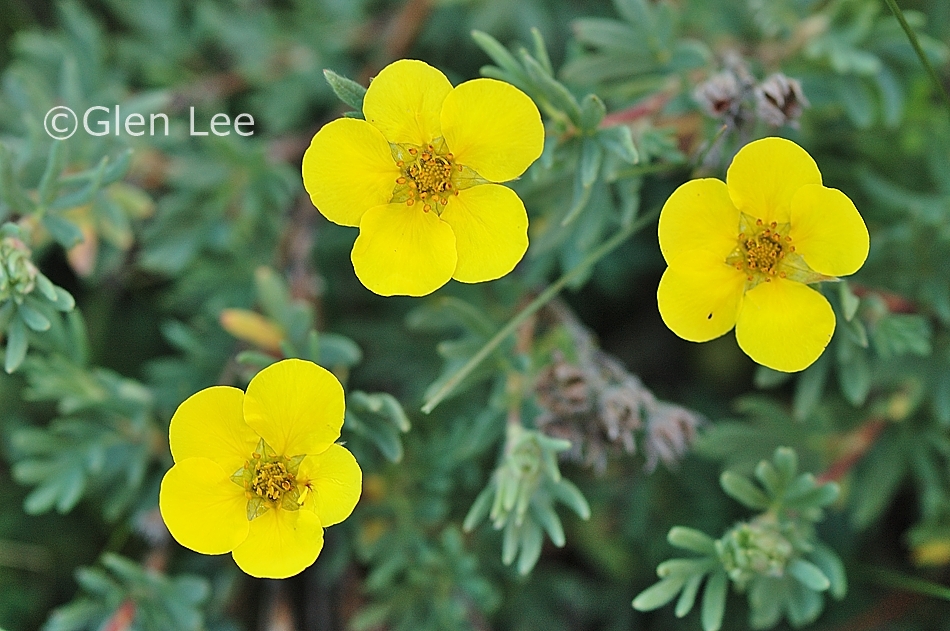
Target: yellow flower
(742,253)
(259,474)
(419,177)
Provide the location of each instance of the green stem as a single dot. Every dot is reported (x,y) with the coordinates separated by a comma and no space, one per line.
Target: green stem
(896,10)
(889,578)
(542,299)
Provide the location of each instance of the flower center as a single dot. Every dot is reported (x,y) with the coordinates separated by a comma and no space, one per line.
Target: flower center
(429,175)
(762,250)
(269,481)
(272,480)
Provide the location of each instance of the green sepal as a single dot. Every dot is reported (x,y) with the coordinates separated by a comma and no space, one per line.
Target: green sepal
(256,506)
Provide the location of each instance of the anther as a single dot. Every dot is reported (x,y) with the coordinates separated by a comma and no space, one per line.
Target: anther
(413,151)
(758,222)
(410,201)
(400,163)
(426,208)
(773,224)
(400,180)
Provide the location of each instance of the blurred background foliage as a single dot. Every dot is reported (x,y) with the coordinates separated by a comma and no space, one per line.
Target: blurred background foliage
(571,442)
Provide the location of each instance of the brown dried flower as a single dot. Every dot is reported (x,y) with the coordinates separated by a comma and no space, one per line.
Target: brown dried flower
(602,409)
(779,100)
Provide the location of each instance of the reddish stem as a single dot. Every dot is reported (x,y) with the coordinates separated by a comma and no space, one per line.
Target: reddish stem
(858,443)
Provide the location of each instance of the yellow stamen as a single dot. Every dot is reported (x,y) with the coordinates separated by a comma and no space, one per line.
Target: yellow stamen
(272,480)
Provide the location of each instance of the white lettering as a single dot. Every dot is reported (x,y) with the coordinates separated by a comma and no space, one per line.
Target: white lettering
(152,123)
(129,122)
(215,122)
(238,122)
(102,123)
(192,127)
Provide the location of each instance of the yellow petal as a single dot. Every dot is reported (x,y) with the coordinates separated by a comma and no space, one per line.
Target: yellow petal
(210,424)
(335,483)
(280,543)
(404,101)
(491,231)
(699,215)
(492,127)
(828,231)
(784,325)
(296,407)
(348,169)
(252,327)
(700,296)
(203,509)
(765,175)
(402,250)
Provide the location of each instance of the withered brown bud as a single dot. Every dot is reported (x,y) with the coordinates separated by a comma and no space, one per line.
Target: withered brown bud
(720,95)
(779,100)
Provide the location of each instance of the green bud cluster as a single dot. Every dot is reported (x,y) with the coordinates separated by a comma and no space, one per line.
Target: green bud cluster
(17,272)
(754,548)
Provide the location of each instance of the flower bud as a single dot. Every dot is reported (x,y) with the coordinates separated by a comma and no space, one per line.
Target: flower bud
(756,548)
(17,271)
(779,100)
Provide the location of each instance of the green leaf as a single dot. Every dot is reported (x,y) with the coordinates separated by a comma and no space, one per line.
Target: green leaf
(338,350)
(64,300)
(816,497)
(619,141)
(688,596)
(849,302)
(766,378)
(809,388)
(691,539)
(876,481)
(347,90)
(66,233)
(54,165)
(593,111)
(831,566)
(540,50)
(766,597)
(714,602)
(786,461)
(559,96)
(742,490)
(854,377)
(900,333)
(659,594)
(17,344)
(809,575)
(532,540)
(33,318)
(479,509)
(544,513)
(500,55)
(688,567)
(570,495)
(858,100)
